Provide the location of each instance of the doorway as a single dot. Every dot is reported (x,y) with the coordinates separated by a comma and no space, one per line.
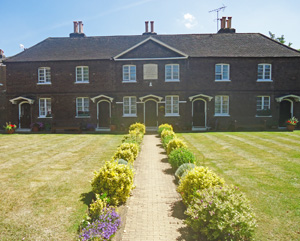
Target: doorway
(199,113)
(103,114)
(150,113)
(24,115)
(285,112)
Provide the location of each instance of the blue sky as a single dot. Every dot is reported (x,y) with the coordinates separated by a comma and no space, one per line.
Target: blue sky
(29,22)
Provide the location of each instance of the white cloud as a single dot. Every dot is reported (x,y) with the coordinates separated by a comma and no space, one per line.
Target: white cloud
(189,21)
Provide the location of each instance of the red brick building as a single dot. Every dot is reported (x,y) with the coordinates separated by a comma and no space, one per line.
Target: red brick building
(196,81)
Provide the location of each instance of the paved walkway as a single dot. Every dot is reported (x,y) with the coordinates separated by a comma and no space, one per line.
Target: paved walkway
(154,210)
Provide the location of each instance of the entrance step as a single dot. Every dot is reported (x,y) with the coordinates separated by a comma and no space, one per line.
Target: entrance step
(199,128)
(22,130)
(103,129)
(151,128)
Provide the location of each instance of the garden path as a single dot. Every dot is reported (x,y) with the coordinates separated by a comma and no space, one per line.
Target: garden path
(155,210)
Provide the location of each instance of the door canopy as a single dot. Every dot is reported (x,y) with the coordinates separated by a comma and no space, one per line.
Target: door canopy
(21,98)
(296,98)
(110,99)
(153,97)
(191,98)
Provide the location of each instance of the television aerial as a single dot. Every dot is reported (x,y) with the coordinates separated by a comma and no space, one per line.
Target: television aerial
(218,10)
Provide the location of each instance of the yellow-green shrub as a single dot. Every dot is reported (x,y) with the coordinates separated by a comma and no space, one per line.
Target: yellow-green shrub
(133,147)
(126,155)
(163,127)
(114,179)
(198,178)
(97,207)
(138,127)
(175,144)
(166,133)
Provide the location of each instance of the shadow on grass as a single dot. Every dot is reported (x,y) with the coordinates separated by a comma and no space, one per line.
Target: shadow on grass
(87,198)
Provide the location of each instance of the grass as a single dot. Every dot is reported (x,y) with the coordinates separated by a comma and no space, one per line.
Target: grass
(266,166)
(45,185)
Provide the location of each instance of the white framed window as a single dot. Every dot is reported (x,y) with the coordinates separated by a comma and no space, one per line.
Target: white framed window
(172,72)
(222,72)
(129,106)
(222,105)
(264,72)
(263,105)
(129,73)
(44,75)
(82,107)
(82,74)
(172,105)
(45,107)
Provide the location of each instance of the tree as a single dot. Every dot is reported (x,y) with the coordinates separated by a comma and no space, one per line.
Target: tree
(279,39)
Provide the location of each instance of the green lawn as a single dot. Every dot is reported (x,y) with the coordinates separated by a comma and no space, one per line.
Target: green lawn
(44,180)
(266,166)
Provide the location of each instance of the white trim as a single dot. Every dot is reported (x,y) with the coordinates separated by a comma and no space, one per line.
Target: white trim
(102,96)
(182,101)
(172,115)
(14,100)
(205,110)
(153,96)
(45,106)
(49,83)
(79,117)
(172,73)
(222,72)
(222,115)
(129,75)
(44,75)
(263,116)
(82,73)
(201,95)
(82,106)
(296,97)
(264,70)
(129,115)
(109,102)
(264,80)
(142,59)
(221,104)
(146,40)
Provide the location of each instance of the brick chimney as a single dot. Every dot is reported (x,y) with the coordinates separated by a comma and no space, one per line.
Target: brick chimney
(226,25)
(147,28)
(77,33)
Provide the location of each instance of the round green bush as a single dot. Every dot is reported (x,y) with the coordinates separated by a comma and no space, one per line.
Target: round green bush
(184,169)
(114,179)
(166,133)
(138,127)
(163,127)
(166,141)
(179,156)
(126,155)
(221,213)
(134,148)
(175,143)
(197,179)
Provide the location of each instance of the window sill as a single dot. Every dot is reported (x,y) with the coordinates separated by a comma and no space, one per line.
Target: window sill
(88,116)
(223,80)
(263,116)
(129,115)
(44,83)
(45,117)
(172,115)
(221,115)
(83,82)
(264,80)
(1,84)
(127,81)
(172,80)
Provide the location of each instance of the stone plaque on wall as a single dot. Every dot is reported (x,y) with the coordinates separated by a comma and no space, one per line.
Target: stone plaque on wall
(150,71)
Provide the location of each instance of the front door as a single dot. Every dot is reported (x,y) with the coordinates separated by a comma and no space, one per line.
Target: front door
(284,112)
(103,114)
(25,116)
(199,113)
(150,113)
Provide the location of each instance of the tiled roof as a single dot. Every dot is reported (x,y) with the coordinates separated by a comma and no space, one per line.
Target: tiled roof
(194,45)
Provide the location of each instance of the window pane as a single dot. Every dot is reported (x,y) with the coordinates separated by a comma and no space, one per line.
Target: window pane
(225,72)
(260,71)
(258,103)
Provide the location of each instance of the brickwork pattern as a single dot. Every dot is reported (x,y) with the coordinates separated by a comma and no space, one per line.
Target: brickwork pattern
(151,214)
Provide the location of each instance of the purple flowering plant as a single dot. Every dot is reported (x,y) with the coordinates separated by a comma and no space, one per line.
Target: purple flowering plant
(102,228)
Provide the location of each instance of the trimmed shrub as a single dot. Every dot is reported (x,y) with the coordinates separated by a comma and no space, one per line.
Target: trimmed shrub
(221,213)
(133,137)
(184,169)
(133,147)
(175,143)
(166,133)
(97,207)
(166,141)
(163,127)
(197,179)
(114,179)
(102,228)
(126,155)
(179,156)
(138,127)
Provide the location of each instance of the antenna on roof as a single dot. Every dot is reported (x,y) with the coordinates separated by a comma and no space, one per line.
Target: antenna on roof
(22,46)
(218,10)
